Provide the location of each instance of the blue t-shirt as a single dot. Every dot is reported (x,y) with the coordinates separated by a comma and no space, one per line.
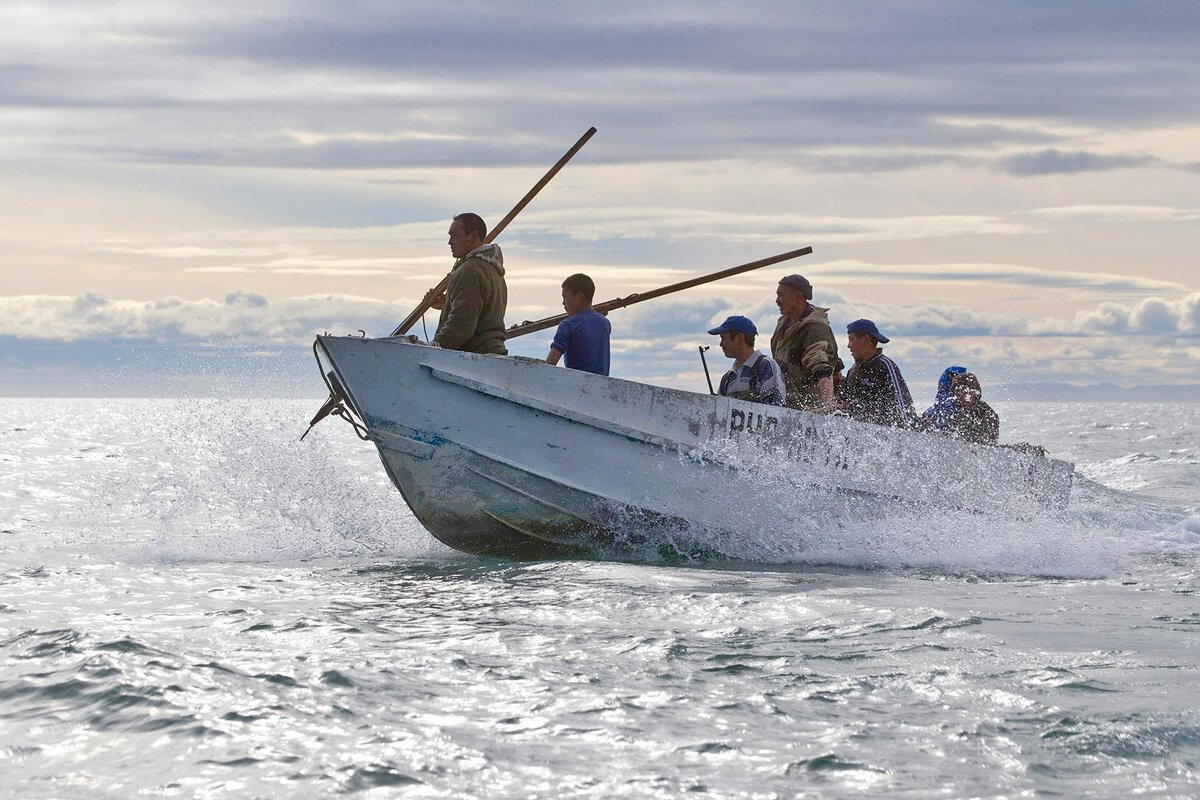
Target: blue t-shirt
(582,338)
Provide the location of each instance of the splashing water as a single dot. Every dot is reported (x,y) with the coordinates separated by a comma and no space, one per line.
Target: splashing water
(213,480)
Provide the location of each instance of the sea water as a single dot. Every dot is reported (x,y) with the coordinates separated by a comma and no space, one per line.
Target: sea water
(195,604)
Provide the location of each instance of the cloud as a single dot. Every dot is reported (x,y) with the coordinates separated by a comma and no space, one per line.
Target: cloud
(1058,162)
(243,318)
(330,151)
(132,346)
(327,265)
(676,318)
(249,318)
(188,251)
(727,125)
(1153,315)
(317,84)
(877,160)
(651,222)
(367,250)
(1117,213)
(245,299)
(850,271)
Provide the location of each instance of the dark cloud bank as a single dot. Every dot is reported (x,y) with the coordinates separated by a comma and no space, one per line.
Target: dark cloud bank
(770,80)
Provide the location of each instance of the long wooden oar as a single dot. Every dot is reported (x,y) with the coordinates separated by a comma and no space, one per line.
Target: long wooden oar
(427,303)
(621,302)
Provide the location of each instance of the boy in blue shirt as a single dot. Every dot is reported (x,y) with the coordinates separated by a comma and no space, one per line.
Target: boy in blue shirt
(583,336)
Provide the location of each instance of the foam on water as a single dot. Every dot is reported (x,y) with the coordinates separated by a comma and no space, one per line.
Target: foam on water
(783,519)
(180,480)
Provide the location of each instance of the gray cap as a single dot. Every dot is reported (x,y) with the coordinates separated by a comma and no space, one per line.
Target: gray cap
(798,282)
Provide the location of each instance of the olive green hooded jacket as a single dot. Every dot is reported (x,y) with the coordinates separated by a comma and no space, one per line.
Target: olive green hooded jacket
(476,298)
(806,352)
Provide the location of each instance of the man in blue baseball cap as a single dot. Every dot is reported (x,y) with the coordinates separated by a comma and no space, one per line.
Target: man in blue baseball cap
(804,346)
(874,390)
(754,377)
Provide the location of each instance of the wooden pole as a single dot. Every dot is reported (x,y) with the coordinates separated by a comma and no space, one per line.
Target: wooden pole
(621,302)
(425,304)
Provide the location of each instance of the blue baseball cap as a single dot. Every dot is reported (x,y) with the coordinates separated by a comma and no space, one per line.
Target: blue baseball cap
(736,323)
(868,327)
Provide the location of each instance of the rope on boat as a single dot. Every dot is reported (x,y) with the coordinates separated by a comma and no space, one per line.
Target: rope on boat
(340,411)
(335,405)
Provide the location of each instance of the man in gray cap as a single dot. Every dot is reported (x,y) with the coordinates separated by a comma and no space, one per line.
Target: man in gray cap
(804,346)
(874,390)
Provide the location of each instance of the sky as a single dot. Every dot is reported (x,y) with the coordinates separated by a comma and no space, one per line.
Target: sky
(193,191)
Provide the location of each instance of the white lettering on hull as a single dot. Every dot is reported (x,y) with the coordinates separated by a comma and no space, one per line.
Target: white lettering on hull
(808,444)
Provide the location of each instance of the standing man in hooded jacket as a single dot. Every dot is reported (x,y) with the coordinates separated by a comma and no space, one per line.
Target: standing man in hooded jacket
(477,296)
(804,346)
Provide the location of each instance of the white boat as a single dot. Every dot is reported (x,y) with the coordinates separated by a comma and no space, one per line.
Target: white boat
(508,456)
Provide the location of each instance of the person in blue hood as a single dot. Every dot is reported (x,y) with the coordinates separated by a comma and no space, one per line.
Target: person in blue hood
(937,416)
(972,420)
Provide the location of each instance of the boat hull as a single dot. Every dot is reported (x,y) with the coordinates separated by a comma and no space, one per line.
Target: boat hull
(510,457)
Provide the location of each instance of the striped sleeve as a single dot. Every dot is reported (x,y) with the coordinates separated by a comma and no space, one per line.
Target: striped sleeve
(899,391)
(771,388)
(726,379)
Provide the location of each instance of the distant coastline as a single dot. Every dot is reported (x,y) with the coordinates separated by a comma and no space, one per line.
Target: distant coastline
(1098,392)
(1048,392)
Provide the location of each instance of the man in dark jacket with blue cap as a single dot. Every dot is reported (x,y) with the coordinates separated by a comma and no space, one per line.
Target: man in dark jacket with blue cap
(874,390)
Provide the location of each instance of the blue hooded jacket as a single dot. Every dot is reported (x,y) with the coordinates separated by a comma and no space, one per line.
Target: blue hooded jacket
(943,404)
